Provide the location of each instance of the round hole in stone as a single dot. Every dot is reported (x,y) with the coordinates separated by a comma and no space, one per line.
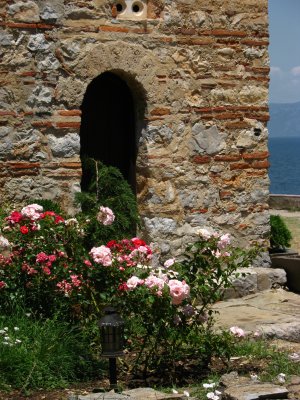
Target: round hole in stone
(137,7)
(119,7)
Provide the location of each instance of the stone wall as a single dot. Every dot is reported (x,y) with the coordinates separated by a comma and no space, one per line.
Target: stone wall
(201,67)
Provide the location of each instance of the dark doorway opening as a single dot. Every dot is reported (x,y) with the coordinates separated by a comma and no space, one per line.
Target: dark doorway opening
(108,131)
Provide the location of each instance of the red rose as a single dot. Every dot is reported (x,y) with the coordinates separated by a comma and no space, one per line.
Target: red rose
(138,242)
(24,229)
(58,219)
(15,217)
(48,213)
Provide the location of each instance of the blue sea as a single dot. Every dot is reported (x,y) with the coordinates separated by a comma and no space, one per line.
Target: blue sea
(285,165)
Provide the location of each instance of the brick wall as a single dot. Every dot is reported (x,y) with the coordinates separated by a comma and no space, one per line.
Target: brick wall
(204,69)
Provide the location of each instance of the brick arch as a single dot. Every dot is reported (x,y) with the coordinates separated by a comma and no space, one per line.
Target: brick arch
(133,63)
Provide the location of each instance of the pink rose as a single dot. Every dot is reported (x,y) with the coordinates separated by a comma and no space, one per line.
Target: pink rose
(65,287)
(133,282)
(32,211)
(169,262)
(154,282)
(76,281)
(224,241)
(2,284)
(105,216)
(236,331)
(179,291)
(41,257)
(101,255)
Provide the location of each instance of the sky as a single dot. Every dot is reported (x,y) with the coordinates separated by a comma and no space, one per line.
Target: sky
(284,50)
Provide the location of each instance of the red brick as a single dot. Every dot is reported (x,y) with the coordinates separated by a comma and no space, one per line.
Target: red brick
(71,165)
(28,73)
(225,194)
(202,159)
(70,113)
(67,124)
(23,165)
(258,43)
(200,210)
(105,28)
(42,123)
(263,118)
(261,164)
(238,125)
(256,173)
(223,32)
(7,113)
(160,111)
(241,165)
(242,227)
(231,209)
(256,156)
(24,25)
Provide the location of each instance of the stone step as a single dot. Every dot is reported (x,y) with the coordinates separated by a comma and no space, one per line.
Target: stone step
(255,279)
(275,313)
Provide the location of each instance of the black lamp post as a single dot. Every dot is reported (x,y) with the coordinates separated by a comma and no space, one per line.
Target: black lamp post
(112,341)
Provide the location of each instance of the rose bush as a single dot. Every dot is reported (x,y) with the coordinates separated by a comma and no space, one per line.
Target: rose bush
(46,265)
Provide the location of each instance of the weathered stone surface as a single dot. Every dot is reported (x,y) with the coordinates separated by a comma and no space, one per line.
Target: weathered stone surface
(274,313)
(256,391)
(24,11)
(38,42)
(49,14)
(198,74)
(64,147)
(133,394)
(208,141)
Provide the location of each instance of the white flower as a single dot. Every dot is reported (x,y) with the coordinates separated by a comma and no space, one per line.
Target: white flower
(294,357)
(71,221)
(17,341)
(254,377)
(281,378)
(212,396)
(204,233)
(6,328)
(16,328)
(174,391)
(186,393)
(209,385)
(4,243)
(2,331)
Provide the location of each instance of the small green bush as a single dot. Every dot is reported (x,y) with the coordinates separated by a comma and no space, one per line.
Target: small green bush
(107,187)
(281,236)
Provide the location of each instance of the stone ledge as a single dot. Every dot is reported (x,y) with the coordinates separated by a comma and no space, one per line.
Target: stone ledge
(257,279)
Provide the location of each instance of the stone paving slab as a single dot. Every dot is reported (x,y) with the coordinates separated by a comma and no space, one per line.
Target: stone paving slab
(133,394)
(274,313)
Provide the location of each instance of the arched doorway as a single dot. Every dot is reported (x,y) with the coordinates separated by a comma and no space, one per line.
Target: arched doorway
(108,131)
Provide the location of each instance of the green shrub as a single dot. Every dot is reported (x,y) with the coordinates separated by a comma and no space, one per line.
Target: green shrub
(107,187)
(47,266)
(281,236)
